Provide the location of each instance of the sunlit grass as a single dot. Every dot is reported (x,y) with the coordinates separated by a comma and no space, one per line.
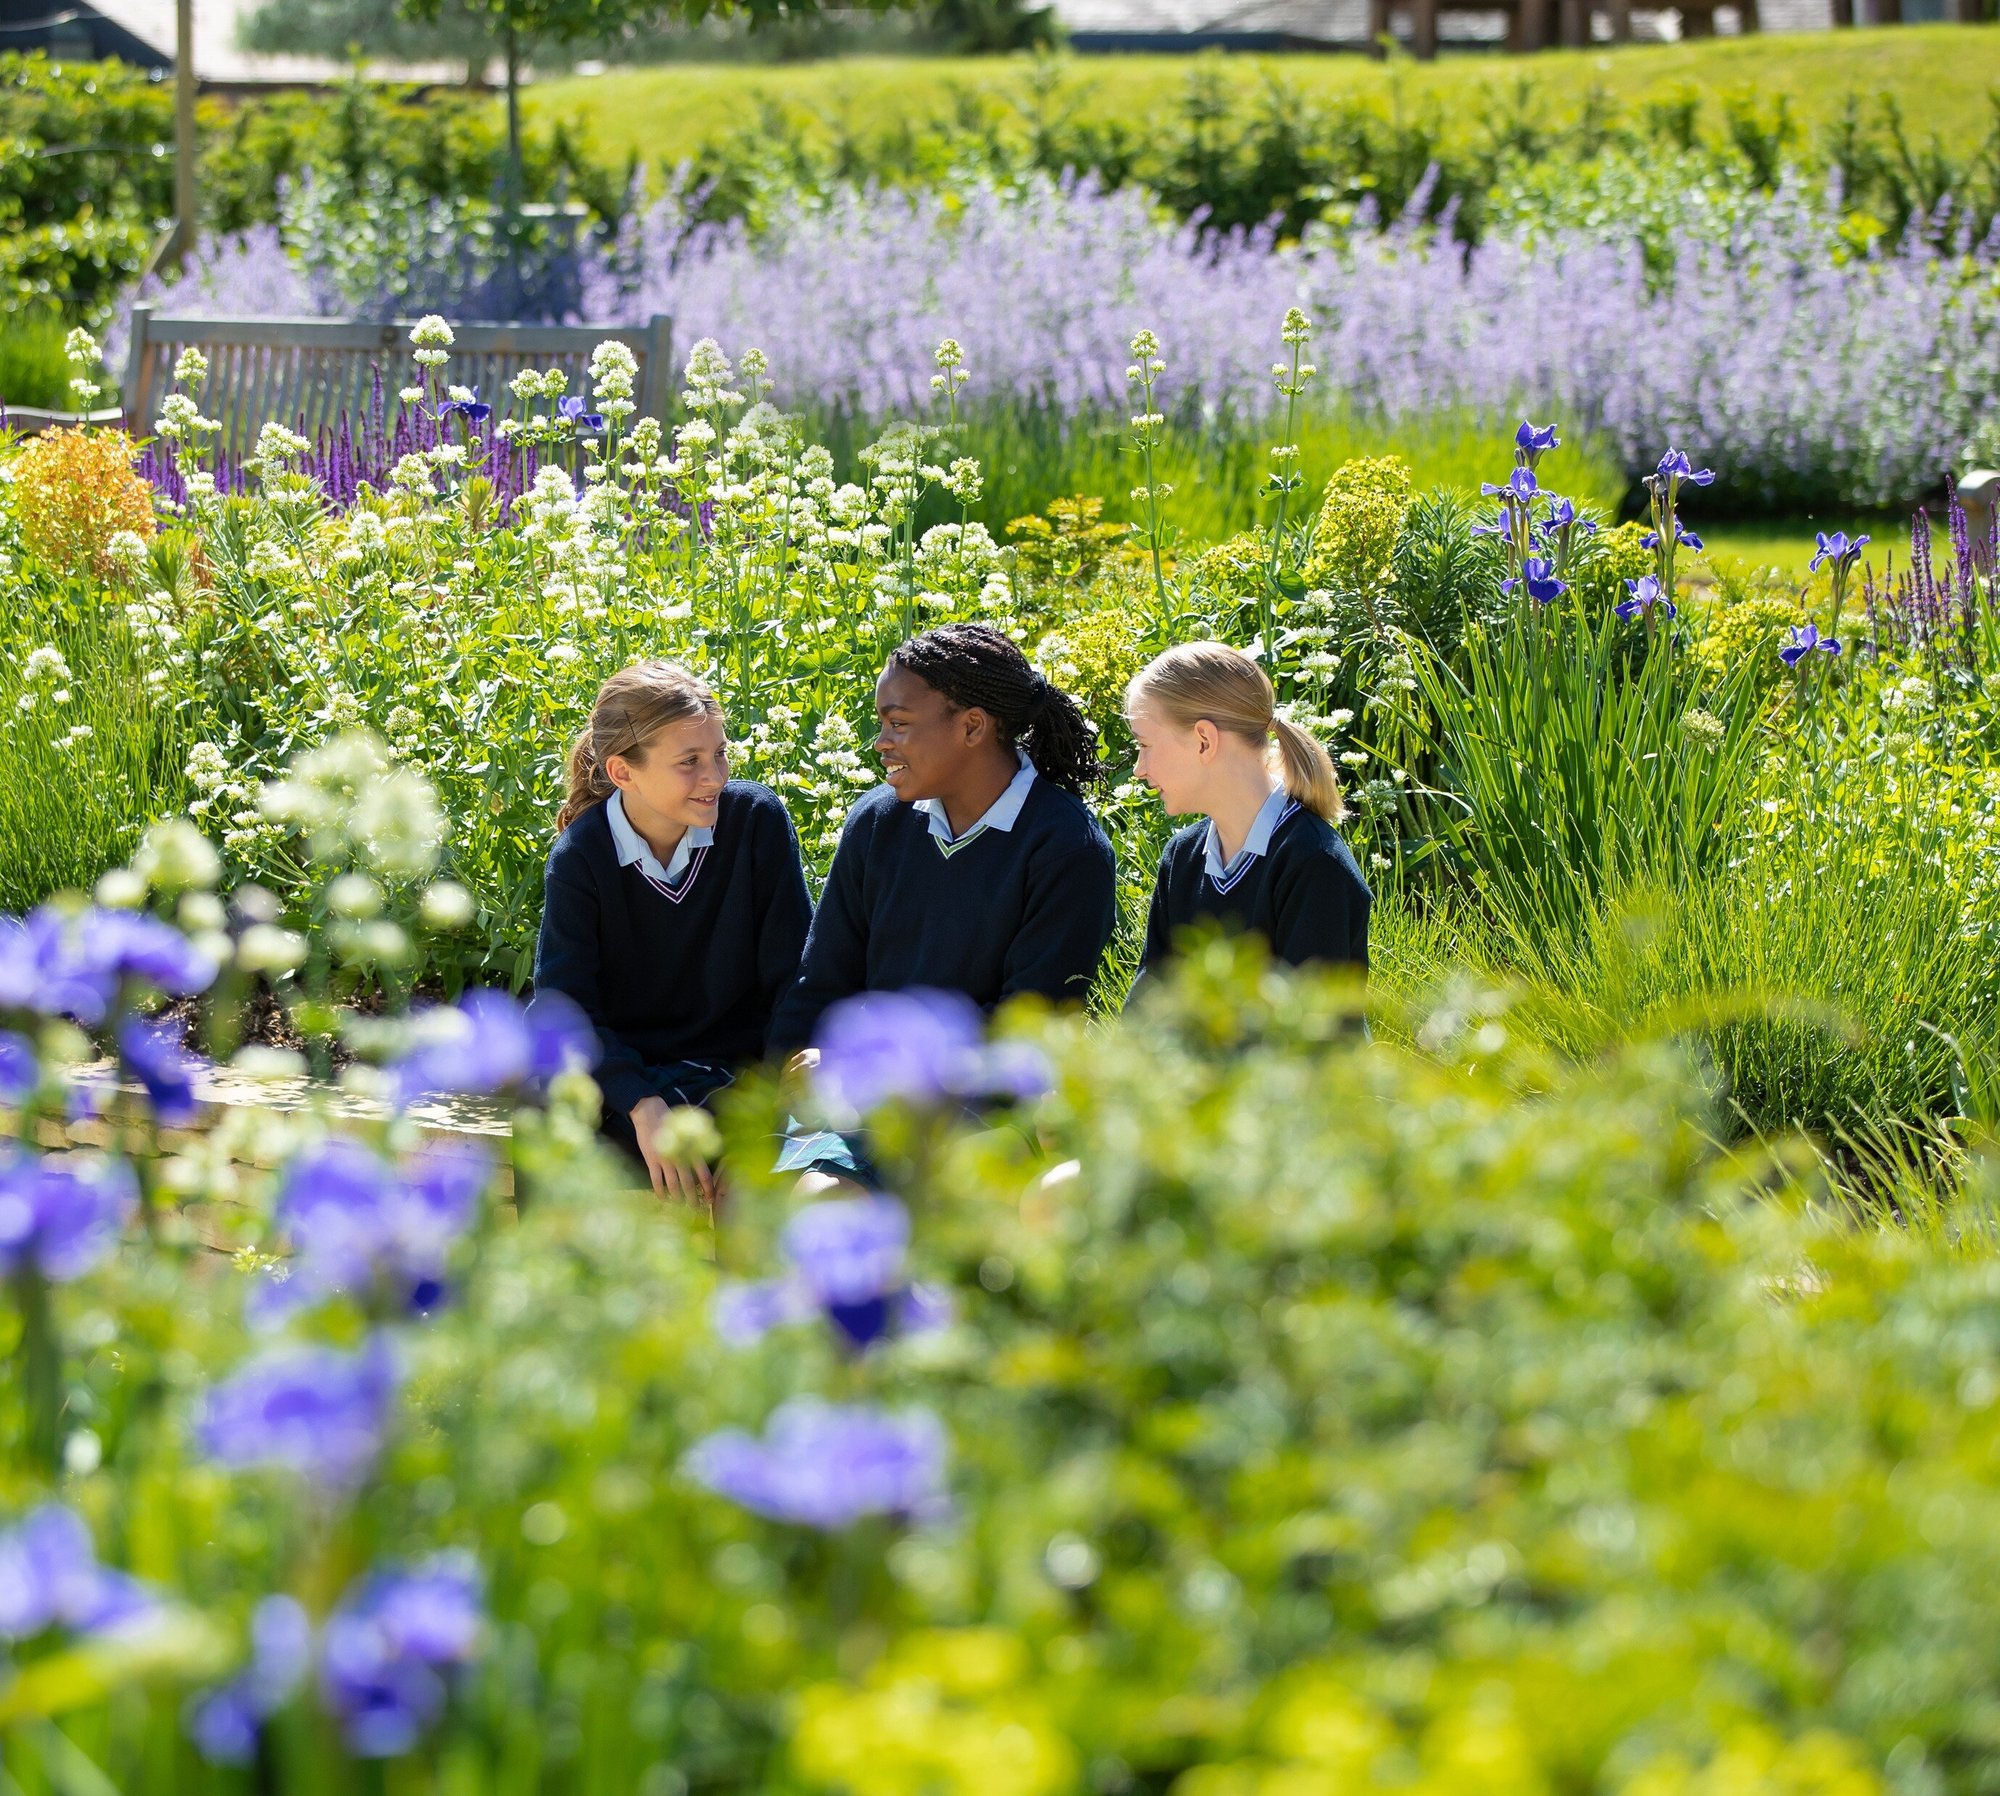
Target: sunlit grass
(1941,73)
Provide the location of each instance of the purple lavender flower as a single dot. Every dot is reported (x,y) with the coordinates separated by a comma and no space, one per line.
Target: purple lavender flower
(49,1577)
(153,1054)
(827,1465)
(313,1410)
(61,1213)
(224,1723)
(359,1225)
(1804,639)
(20,1071)
(383,1648)
(1646,593)
(491,1043)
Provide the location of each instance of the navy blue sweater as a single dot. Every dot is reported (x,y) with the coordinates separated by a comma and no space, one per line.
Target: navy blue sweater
(1028,909)
(1304,895)
(692,976)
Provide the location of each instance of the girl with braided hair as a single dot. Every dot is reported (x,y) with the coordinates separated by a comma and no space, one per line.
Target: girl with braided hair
(675,907)
(1264,856)
(975,867)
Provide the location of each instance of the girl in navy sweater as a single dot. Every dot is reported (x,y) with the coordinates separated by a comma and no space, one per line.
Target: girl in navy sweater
(975,867)
(675,906)
(1265,857)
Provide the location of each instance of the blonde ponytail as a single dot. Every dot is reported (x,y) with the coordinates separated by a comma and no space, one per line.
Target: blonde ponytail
(1210,682)
(1308,770)
(632,707)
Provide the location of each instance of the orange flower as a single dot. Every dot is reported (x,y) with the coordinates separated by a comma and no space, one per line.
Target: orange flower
(74,491)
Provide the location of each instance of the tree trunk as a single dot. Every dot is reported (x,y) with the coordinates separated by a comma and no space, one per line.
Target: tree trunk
(512,42)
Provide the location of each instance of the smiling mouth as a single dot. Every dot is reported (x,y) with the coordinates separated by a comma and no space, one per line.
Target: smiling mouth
(892,771)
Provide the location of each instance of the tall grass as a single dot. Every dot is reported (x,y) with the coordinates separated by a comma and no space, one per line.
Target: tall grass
(86,761)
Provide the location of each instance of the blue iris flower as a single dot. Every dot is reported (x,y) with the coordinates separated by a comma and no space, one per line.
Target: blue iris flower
(571,408)
(1645,594)
(1675,466)
(1804,639)
(1538,574)
(1839,550)
(1536,440)
(472,410)
(1519,488)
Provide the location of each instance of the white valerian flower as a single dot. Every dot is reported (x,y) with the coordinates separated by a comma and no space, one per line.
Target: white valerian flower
(174,856)
(354,895)
(190,368)
(121,889)
(396,824)
(45,666)
(265,948)
(432,339)
(445,905)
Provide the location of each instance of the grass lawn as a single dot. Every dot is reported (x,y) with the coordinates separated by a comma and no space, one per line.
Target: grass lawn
(1786,545)
(1943,75)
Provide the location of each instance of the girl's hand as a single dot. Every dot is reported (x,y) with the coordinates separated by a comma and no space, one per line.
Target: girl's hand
(671,1178)
(800,1065)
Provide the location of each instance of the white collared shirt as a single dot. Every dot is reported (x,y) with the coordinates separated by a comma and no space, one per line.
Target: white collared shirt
(1002,814)
(1272,812)
(632,849)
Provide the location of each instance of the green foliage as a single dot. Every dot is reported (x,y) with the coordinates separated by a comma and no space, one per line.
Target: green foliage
(33,368)
(1361,515)
(1449,1410)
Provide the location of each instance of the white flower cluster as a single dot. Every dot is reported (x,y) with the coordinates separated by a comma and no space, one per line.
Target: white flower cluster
(432,339)
(349,801)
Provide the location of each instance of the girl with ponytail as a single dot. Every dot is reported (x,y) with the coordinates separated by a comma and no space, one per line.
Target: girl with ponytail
(1265,856)
(675,907)
(975,867)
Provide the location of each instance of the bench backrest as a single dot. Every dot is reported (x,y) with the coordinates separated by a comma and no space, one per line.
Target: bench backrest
(305,373)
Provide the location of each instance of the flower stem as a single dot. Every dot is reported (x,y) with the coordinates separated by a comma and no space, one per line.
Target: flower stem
(41,1367)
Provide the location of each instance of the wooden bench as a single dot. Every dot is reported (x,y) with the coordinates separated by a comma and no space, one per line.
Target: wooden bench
(306,373)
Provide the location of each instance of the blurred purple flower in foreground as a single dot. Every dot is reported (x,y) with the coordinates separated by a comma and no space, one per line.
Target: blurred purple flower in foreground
(57,964)
(61,1213)
(154,1054)
(827,1465)
(224,1723)
(847,1257)
(490,1043)
(921,1046)
(381,1655)
(385,1646)
(362,1226)
(49,1577)
(20,1071)
(313,1410)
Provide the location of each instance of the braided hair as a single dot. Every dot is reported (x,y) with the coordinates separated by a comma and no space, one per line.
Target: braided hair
(973,664)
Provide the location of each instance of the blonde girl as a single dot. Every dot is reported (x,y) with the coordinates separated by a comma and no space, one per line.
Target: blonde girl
(675,906)
(1265,857)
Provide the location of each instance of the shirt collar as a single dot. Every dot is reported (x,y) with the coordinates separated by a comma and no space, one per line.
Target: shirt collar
(632,849)
(1262,827)
(1003,814)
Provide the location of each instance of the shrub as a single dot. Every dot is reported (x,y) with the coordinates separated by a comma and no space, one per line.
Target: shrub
(1360,518)
(74,491)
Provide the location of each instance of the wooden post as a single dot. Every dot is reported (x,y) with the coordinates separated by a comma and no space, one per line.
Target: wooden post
(1378,28)
(1621,21)
(1424,30)
(182,241)
(1575,27)
(1841,14)
(656,385)
(134,395)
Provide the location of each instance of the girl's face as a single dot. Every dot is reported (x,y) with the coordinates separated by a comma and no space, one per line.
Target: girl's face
(677,781)
(1176,762)
(926,745)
